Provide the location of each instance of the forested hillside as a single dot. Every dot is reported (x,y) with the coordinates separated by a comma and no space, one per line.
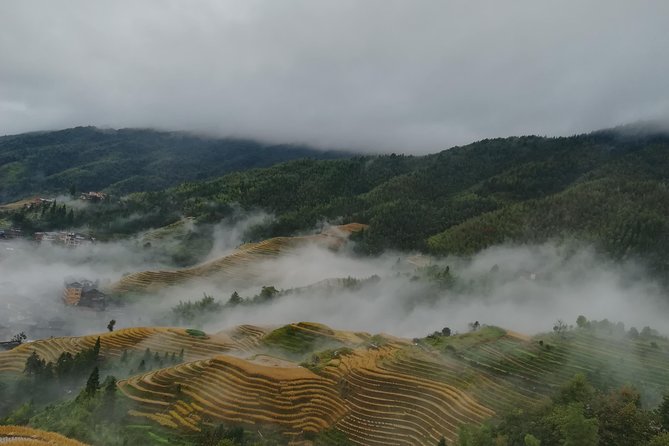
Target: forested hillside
(607,188)
(128,160)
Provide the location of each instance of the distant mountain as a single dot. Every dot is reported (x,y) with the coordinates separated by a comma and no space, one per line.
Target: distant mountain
(128,160)
(608,188)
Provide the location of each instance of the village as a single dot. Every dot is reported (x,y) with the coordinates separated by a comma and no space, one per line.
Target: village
(67,238)
(84,293)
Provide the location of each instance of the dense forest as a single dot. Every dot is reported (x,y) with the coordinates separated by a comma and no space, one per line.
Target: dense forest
(127,160)
(608,188)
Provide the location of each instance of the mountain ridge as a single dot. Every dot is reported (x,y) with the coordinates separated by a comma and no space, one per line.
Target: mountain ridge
(128,160)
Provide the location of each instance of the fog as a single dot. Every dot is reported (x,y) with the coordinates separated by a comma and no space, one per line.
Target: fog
(381,75)
(523,288)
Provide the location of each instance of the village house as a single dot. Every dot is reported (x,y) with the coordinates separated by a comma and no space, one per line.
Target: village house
(65,238)
(84,293)
(38,202)
(93,196)
(11,233)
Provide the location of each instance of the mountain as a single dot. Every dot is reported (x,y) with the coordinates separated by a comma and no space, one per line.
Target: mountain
(607,188)
(127,160)
(235,267)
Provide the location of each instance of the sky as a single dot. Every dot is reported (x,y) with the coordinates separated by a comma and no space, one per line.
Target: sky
(376,75)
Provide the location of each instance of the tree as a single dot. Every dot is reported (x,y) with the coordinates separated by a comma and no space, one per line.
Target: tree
(34,365)
(475,436)
(560,328)
(19,338)
(633,333)
(581,322)
(531,440)
(73,190)
(111,324)
(663,412)
(93,383)
(446,331)
(235,299)
(96,349)
(577,390)
(442,442)
(109,387)
(660,440)
(267,293)
(576,429)
(621,420)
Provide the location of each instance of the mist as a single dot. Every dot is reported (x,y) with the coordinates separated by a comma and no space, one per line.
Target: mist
(522,288)
(375,76)
(533,286)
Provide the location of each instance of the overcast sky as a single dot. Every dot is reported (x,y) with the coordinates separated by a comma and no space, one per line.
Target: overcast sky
(377,75)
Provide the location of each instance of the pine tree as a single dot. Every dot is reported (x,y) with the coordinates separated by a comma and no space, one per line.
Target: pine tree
(96,349)
(93,382)
(34,365)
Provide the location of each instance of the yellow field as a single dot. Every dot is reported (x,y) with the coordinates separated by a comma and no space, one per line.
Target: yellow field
(236,266)
(158,339)
(378,390)
(25,436)
(16,205)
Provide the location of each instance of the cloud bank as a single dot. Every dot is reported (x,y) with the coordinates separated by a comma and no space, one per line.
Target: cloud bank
(523,288)
(380,75)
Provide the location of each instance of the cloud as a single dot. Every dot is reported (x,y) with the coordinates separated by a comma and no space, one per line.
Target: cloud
(381,75)
(532,288)
(524,288)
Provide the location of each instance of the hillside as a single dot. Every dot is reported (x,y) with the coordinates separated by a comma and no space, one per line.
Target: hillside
(126,160)
(236,267)
(306,378)
(25,436)
(607,188)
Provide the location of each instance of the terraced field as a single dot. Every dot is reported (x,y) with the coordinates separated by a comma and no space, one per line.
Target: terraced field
(176,229)
(25,436)
(378,390)
(237,266)
(159,339)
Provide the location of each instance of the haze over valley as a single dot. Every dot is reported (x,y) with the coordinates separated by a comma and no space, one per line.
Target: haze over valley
(334,223)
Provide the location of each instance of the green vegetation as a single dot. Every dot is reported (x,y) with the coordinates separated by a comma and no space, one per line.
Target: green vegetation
(129,160)
(453,344)
(607,188)
(187,312)
(578,414)
(331,437)
(296,341)
(196,333)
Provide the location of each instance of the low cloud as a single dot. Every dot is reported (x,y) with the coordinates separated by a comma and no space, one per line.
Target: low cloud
(524,288)
(377,76)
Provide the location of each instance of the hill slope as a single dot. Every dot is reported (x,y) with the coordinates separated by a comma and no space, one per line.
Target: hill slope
(25,436)
(607,187)
(237,266)
(377,390)
(127,160)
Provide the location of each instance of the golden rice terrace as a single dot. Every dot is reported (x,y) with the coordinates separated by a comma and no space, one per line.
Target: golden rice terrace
(379,390)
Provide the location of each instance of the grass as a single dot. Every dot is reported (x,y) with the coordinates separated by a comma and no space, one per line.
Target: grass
(292,339)
(196,333)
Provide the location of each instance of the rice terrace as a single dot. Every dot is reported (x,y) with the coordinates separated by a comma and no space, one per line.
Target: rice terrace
(306,378)
(334,223)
